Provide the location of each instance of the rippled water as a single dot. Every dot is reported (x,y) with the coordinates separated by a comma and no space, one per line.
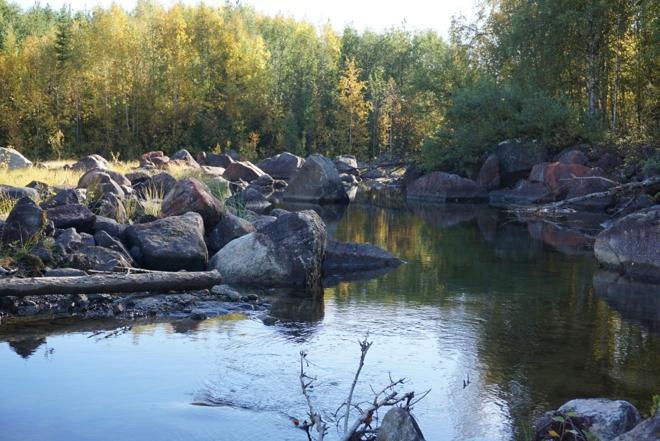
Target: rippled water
(479,297)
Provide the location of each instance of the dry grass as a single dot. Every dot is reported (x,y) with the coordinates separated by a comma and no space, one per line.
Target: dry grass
(6,205)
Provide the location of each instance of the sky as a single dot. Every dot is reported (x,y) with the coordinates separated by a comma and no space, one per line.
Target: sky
(372,14)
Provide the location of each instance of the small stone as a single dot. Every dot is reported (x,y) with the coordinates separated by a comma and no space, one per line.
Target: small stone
(198,315)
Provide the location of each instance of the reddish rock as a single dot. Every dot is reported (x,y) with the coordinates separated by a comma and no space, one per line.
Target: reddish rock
(154,159)
(242,170)
(443,187)
(489,175)
(557,176)
(563,239)
(191,195)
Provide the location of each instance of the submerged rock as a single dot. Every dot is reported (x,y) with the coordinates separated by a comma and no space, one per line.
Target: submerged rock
(630,245)
(317,181)
(346,258)
(285,253)
(171,244)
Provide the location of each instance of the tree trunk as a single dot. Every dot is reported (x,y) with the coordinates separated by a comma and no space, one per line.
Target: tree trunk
(110,283)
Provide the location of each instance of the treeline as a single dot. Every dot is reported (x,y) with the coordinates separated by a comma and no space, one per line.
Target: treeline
(196,77)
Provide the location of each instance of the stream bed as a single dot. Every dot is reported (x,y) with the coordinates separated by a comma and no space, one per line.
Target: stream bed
(515,308)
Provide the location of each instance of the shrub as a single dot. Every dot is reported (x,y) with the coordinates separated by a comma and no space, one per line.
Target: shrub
(487,113)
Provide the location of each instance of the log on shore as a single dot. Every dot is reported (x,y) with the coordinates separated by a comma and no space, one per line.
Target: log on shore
(110,283)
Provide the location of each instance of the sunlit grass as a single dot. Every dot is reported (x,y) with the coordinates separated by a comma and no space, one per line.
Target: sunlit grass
(6,205)
(49,175)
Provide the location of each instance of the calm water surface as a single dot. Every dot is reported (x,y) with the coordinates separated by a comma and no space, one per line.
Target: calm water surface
(479,297)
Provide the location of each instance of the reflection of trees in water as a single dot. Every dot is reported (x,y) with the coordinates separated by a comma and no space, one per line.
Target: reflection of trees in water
(543,336)
(27,346)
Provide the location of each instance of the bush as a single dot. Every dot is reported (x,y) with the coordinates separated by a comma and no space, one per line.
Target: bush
(487,113)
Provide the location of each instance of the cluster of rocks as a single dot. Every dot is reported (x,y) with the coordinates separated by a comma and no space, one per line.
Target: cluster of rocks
(517,173)
(597,418)
(103,225)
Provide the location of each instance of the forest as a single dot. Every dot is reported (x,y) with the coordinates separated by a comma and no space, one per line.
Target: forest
(119,83)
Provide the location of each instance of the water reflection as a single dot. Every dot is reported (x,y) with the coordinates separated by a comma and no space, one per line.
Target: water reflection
(519,308)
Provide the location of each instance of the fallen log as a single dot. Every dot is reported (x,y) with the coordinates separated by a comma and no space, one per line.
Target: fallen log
(110,283)
(655,180)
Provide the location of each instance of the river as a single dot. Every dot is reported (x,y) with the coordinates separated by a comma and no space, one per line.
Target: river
(481,297)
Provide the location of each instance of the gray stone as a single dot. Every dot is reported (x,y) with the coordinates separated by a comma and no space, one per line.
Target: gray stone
(90,162)
(524,193)
(647,430)
(97,258)
(16,193)
(73,215)
(342,258)
(444,187)
(171,244)
(606,419)
(346,164)
(286,253)
(63,197)
(517,157)
(242,171)
(110,226)
(228,229)
(67,240)
(317,181)
(25,223)
(399,425)
(630,245)
(227,292)
(13,159)
(282,166)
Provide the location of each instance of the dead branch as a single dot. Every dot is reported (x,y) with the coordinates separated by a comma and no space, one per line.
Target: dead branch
(315,420)
(549,208)
(364,348)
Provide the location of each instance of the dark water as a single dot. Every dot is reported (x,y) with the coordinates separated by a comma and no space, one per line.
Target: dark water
(481,296)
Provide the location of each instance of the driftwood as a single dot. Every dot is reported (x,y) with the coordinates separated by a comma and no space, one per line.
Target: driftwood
(110,283)
(655,180)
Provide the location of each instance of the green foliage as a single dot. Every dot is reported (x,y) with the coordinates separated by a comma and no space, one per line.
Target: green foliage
(487,112)
(655,406)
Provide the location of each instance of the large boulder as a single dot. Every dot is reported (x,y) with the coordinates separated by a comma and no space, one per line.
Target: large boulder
(558,176)
(191,195)
(242,171)
(317,181)
(583,187)
(524,193)
(517,157)
(158,185)
(25,223)
(445,187)
(16,193)
(110,226)
(228,229)
(573,157)
(183,157)
(171,244)
(347,164)
(630,245)
(90,162)
(214,160)
(399,425)
(605,419)
(73,215)
(288,252)
(12,159)
(282,166)
(489,175)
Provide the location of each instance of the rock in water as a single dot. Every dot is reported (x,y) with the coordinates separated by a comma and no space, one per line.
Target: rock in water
(604,418)
(345,258)
(317,181)
(191,195)
(24,223)
(285,253)
(282,166)
(171,244)
(630,246)
(13,159)
(444,187)
(399,425)
(647,430)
